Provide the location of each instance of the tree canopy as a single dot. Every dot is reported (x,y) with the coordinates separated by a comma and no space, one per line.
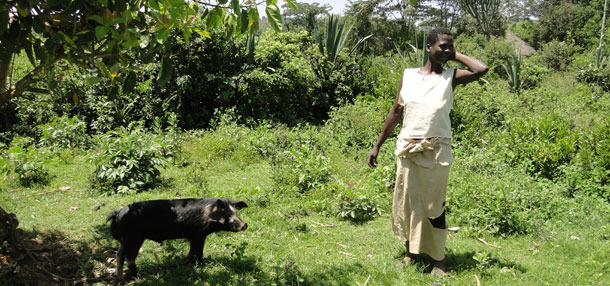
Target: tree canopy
(109,35)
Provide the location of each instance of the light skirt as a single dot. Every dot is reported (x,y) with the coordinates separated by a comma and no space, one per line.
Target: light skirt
(419,200)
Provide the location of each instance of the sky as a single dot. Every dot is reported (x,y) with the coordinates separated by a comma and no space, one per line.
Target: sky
(338,5)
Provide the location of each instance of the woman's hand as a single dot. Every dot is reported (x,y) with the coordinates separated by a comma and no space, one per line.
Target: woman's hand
(372,158)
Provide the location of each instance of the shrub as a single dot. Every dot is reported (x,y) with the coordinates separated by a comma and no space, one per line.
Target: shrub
(357,208)
(531,74)
(64,132)
(355,126)
(128,160)
(544,142)
(300,169)
(590,171)
(27,163)
(501,204)
(557,55)
(477,111)
(595,77)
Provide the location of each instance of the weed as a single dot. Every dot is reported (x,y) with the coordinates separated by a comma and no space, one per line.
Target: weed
(128,161)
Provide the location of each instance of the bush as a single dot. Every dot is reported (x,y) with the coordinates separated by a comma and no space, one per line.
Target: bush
(590,171)
(27,163)
(501,204)
(531,74)
(596,77)
(128,160)
(357,208)
(544,143)
(64,132)
(557,55)
(477,111)
(300,169)
(355,126)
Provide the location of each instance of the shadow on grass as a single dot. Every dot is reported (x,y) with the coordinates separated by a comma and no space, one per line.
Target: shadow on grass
(461,262)
(464,261)
(234,270)
(50,257)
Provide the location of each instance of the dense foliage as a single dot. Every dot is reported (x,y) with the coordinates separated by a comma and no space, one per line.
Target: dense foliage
(528,137)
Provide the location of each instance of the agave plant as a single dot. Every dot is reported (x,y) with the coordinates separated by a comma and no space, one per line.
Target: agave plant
(421,56)
(335,38)
(512,66)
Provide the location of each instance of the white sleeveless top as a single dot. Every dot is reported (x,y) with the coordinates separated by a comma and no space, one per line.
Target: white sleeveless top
(427,101)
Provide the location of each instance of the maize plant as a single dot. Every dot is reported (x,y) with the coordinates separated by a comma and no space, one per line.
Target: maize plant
(512,66)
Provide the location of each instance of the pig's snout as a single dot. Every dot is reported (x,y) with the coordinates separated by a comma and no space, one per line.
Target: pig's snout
(243,227)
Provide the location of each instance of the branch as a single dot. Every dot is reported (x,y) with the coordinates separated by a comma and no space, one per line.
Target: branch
(19,87)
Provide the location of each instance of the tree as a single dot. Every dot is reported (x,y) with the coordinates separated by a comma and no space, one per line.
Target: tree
(300,17)
(108,35)
(487,14)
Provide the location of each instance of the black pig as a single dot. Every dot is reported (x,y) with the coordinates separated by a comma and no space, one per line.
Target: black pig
(161,220)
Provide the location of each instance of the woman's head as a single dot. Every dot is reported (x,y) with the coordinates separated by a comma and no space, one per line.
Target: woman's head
(439,44)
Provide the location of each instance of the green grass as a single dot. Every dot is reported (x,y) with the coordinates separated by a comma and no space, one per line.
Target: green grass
(288,242)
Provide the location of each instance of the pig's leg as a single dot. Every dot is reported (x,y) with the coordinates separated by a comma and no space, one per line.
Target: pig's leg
(120,259)
(131,252)
(196,251)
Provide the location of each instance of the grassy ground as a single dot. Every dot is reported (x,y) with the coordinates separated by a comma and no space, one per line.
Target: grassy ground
(286,243)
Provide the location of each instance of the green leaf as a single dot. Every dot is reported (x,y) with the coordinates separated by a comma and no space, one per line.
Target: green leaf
(100,32)
(154,4)
(162,35)
(235,6)
(292,4)
(244,21)
(166,72)
(93,80)
(203,33)
(129,83)
(96,18)
(253,18)
(222,2)
(271,2)
(214,19)
(274,16)
(103,68)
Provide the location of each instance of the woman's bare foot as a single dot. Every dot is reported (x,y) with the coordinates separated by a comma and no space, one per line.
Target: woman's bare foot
(408,260)
(440,268)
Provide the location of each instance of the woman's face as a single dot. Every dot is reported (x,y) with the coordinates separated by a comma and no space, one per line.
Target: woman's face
(443,50)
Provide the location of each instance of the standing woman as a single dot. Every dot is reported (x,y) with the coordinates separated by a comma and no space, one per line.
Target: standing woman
(423,148)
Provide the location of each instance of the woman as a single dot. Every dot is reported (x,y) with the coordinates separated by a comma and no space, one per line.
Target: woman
(423,148)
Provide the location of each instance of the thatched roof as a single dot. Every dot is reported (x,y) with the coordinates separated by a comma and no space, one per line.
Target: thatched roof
(526,50)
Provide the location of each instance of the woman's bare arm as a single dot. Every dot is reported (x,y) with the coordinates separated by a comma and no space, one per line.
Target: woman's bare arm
(391,121)
(476,69)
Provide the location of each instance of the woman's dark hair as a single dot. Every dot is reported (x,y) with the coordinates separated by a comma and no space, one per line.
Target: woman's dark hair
(433,35)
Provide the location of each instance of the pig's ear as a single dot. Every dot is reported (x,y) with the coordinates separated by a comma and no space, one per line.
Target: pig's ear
(239,204)
(219,205)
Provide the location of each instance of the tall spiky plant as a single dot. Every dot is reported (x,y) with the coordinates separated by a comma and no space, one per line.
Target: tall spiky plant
(601,54)
(512,66)
(336,36)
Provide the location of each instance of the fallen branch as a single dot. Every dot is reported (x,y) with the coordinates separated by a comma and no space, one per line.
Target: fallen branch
(322,225)
(347,254)
(477,279)
(488,244)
